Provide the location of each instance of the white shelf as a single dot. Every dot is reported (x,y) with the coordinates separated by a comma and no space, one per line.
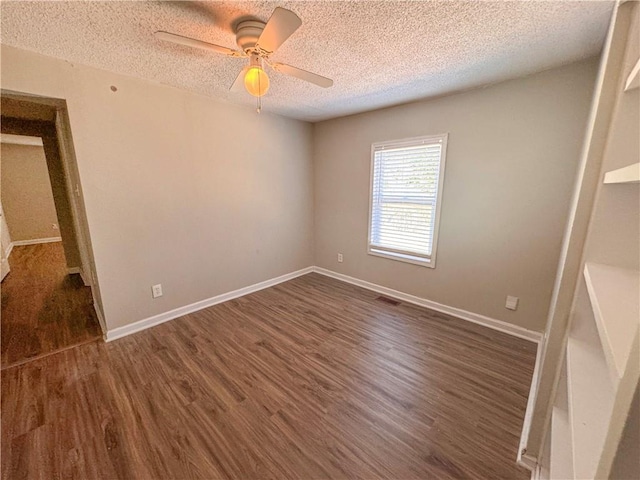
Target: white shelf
(615,299)
(561,461)
(629,174)
(590,405)
(633,80)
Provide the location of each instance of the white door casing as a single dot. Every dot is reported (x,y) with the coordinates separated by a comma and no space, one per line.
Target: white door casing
(5,245)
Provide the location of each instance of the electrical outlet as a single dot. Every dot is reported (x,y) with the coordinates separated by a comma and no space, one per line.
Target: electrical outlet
(340,258)
(512,303)
(54,226)
(156,290)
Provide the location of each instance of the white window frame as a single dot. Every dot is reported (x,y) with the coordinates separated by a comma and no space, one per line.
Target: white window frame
(410,257)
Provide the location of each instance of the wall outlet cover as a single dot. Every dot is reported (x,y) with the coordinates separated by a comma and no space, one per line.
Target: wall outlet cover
(512,303)
(156,290)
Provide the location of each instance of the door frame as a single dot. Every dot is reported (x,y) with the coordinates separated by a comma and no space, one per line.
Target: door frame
(48,118)
(5,268)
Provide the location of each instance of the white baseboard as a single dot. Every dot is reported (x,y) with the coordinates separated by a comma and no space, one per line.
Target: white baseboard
(523,458)
(8,250)
(78,270)
(535,473)
(499,325)
(194,307)
(35,241)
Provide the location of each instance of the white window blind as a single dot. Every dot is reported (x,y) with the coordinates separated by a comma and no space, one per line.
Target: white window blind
(406,184)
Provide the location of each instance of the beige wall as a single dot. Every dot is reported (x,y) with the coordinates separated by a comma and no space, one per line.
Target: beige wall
(201,196)
(27,197)
(206,197)
(511,162)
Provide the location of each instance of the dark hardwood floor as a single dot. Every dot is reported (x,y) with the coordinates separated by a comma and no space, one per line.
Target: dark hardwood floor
(313,378)
(44,309)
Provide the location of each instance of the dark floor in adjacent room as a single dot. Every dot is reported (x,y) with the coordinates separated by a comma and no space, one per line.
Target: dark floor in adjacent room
(312,378)
(44,309)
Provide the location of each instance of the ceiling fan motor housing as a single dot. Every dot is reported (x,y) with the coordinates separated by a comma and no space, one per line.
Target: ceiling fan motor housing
(247,34)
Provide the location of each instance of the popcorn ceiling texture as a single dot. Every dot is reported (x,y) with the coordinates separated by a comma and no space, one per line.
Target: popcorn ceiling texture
(378,53)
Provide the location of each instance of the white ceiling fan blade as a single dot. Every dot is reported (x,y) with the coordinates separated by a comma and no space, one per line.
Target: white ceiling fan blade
(319,80)
(192,42)
(280,26)
(238,83)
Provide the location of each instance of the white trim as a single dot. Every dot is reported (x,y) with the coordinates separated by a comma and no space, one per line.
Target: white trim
(633,80)
(8,250)
(21,140)
(523,459)
(80,271)
(499,325)
(536,473)
(194,307)
(36,241)
(423,262)
(103,325)
(84,278)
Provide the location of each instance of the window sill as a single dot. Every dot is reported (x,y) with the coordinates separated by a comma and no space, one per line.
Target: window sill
(401,257)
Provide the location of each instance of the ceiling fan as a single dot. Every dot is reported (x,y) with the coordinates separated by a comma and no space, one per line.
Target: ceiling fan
(258,41)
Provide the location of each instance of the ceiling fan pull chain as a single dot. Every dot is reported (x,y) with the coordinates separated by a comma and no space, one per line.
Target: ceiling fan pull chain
(260,90)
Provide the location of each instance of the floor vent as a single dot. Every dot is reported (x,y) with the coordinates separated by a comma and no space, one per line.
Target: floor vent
(388,300)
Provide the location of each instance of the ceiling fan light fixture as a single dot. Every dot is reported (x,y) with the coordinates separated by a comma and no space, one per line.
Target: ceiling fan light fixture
(257,41)
(256,81)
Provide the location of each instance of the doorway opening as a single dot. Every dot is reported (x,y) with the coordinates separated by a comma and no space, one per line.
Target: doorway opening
(49,289)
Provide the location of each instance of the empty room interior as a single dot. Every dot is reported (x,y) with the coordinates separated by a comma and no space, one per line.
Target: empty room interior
(313,239)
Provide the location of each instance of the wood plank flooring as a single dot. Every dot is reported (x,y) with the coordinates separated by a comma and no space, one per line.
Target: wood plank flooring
(43,308)
(313,378)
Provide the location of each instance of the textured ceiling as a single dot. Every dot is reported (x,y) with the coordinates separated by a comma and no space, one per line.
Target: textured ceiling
(378,53)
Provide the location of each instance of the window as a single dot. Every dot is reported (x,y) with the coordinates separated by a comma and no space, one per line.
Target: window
(406,189)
